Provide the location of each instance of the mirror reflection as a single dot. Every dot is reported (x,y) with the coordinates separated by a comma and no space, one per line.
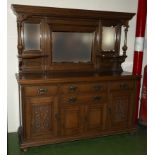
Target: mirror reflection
(108,38)
(71,47)
(31,36)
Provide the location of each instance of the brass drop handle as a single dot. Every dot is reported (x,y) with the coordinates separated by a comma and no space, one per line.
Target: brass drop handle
(72,100)
(72,88)
(123,86)
(42,91)
(97,87)
(97,98)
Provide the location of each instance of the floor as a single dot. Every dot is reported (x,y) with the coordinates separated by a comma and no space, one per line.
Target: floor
(124,144)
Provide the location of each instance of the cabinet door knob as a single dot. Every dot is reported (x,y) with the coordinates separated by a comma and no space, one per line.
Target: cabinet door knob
(97,87)
(72,100)
(42,91)
(72,88)
(97,98)
(124,86)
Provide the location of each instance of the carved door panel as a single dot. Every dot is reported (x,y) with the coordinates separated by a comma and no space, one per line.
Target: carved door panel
(40,119)
(95,117)
(121,111)
(71,120)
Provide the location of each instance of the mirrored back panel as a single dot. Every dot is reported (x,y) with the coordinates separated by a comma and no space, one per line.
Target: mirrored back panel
(108,38)
(31,36)
(71,47)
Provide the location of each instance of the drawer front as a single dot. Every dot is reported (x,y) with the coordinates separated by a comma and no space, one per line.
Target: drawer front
(40,90)
(83,88)
(83,99)
(122,85)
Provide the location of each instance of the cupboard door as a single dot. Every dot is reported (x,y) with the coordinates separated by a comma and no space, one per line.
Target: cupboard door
(71,120)
(33,48)
(32,35)
(121,111)
(40,119)
(95,117)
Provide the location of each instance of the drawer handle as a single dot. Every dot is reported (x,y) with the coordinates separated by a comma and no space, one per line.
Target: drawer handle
(72,100)
(42,91)
(97,87)
(72,88)
(124,86)
(97,98)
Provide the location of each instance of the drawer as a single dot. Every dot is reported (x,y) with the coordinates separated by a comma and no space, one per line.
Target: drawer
(123,85)
(83,88)
(40,100)
(40,90)
(83,99)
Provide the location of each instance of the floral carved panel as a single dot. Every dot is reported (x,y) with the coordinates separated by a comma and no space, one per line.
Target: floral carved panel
(41,117)
(120,109)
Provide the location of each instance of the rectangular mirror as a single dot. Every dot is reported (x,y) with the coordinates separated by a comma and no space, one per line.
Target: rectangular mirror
(31,36)
(108,38)
(71,47)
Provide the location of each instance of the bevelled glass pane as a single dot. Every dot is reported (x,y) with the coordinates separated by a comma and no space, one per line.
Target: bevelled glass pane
(71,47)
(108,38)
(31,36)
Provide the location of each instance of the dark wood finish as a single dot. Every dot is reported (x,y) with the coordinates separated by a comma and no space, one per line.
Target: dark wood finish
(70,101)
(40,90)
(77,107)
(96,116)
(40,121)
(71,115)
(70,20)
(121,109)
(76,13)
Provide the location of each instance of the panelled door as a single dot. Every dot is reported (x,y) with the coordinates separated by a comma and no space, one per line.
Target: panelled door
(40,120)
(71,113)
(95,113)
(83,114)
(121,110)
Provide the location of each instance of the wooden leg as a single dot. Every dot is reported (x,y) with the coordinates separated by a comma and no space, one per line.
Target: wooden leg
(24,149)
(132,133)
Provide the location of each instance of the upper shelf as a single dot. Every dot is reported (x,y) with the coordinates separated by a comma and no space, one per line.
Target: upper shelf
(32,56)
(77,13)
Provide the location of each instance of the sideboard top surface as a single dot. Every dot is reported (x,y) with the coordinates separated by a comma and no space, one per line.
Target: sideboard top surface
(71,77)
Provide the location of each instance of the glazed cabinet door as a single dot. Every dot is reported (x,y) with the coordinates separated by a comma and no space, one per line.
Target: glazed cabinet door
(121,109)
(32,45)
(39,117)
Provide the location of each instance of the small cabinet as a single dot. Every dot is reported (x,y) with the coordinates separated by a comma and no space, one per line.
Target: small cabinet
(39,117)
(83,114)
(121,109)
